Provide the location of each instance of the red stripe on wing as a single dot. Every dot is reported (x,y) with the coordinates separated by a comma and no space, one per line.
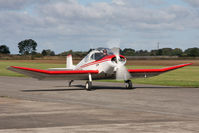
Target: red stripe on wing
(157,70)
(58,72)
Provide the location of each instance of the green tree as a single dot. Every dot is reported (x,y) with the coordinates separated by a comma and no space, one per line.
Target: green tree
(177,52)
(167,51)
(65,53)
(44,53)
(48,52)
(156,52)
(128,52)
(192,52)
(27,47)
(4,49)
(142,53)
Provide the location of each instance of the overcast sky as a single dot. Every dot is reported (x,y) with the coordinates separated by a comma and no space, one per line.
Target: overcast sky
(62,25)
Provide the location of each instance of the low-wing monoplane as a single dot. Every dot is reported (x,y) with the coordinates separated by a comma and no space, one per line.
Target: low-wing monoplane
(101,63)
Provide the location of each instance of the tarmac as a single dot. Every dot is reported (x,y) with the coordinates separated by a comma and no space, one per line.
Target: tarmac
(29,105)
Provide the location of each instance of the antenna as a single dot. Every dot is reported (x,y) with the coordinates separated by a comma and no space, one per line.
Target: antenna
(158,45)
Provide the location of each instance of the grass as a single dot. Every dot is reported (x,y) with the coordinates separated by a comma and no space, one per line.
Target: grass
(186,77)
(5,64)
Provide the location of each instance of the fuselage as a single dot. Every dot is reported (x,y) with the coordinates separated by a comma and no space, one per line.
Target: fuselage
(104,62)
(97,60)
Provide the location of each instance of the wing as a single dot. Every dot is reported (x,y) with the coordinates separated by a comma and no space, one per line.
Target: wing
(54,74)
(144,73)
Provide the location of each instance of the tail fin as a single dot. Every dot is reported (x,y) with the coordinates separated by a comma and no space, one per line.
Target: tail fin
(69,62)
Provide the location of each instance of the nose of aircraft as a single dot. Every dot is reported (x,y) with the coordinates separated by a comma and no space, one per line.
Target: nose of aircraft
(119,62)
(120,59)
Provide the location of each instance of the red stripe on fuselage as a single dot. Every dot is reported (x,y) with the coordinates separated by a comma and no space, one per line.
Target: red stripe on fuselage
(106,58)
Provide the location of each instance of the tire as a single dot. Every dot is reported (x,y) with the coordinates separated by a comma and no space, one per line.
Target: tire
(88,86)
(69,84)
(128,84)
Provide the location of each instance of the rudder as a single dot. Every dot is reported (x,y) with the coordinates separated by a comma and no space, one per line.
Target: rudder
(69,62)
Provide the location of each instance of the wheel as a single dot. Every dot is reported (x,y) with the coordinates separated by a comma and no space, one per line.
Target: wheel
(128,84)
(69,84)
(88,86)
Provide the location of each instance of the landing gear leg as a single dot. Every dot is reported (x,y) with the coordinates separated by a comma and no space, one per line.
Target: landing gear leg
(88,85)
(128,84)
(70,82)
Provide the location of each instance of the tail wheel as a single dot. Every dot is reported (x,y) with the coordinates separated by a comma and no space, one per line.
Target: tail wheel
(88,86)
(128,84)
(69,84)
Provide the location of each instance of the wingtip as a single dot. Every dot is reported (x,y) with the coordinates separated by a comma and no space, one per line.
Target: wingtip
(9,67)
(187,64)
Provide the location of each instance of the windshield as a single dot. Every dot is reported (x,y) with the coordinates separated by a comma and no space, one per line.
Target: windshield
(105,50)
(100,53)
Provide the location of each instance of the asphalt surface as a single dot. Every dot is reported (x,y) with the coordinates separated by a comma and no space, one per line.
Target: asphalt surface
(29,105)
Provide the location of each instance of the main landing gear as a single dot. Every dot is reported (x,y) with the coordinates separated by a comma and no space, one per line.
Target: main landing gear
(128,84)
(88,85)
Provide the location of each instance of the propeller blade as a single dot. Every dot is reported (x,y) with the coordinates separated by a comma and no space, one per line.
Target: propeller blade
(122,73)
(116,52)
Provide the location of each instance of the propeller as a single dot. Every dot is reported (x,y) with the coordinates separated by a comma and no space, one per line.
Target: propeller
(121,71)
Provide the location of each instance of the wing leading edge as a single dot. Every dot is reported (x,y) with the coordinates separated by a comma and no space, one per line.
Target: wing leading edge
(83,74)
(144,73)
(50,74)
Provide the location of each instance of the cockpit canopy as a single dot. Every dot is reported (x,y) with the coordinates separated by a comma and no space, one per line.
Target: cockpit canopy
(109,51)
(99,53)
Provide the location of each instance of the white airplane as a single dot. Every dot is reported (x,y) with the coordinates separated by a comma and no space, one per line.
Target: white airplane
(101,63)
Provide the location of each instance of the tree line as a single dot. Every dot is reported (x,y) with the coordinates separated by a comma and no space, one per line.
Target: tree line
(28,47)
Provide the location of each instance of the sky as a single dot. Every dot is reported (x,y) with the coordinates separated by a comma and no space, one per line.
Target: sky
(62,25)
